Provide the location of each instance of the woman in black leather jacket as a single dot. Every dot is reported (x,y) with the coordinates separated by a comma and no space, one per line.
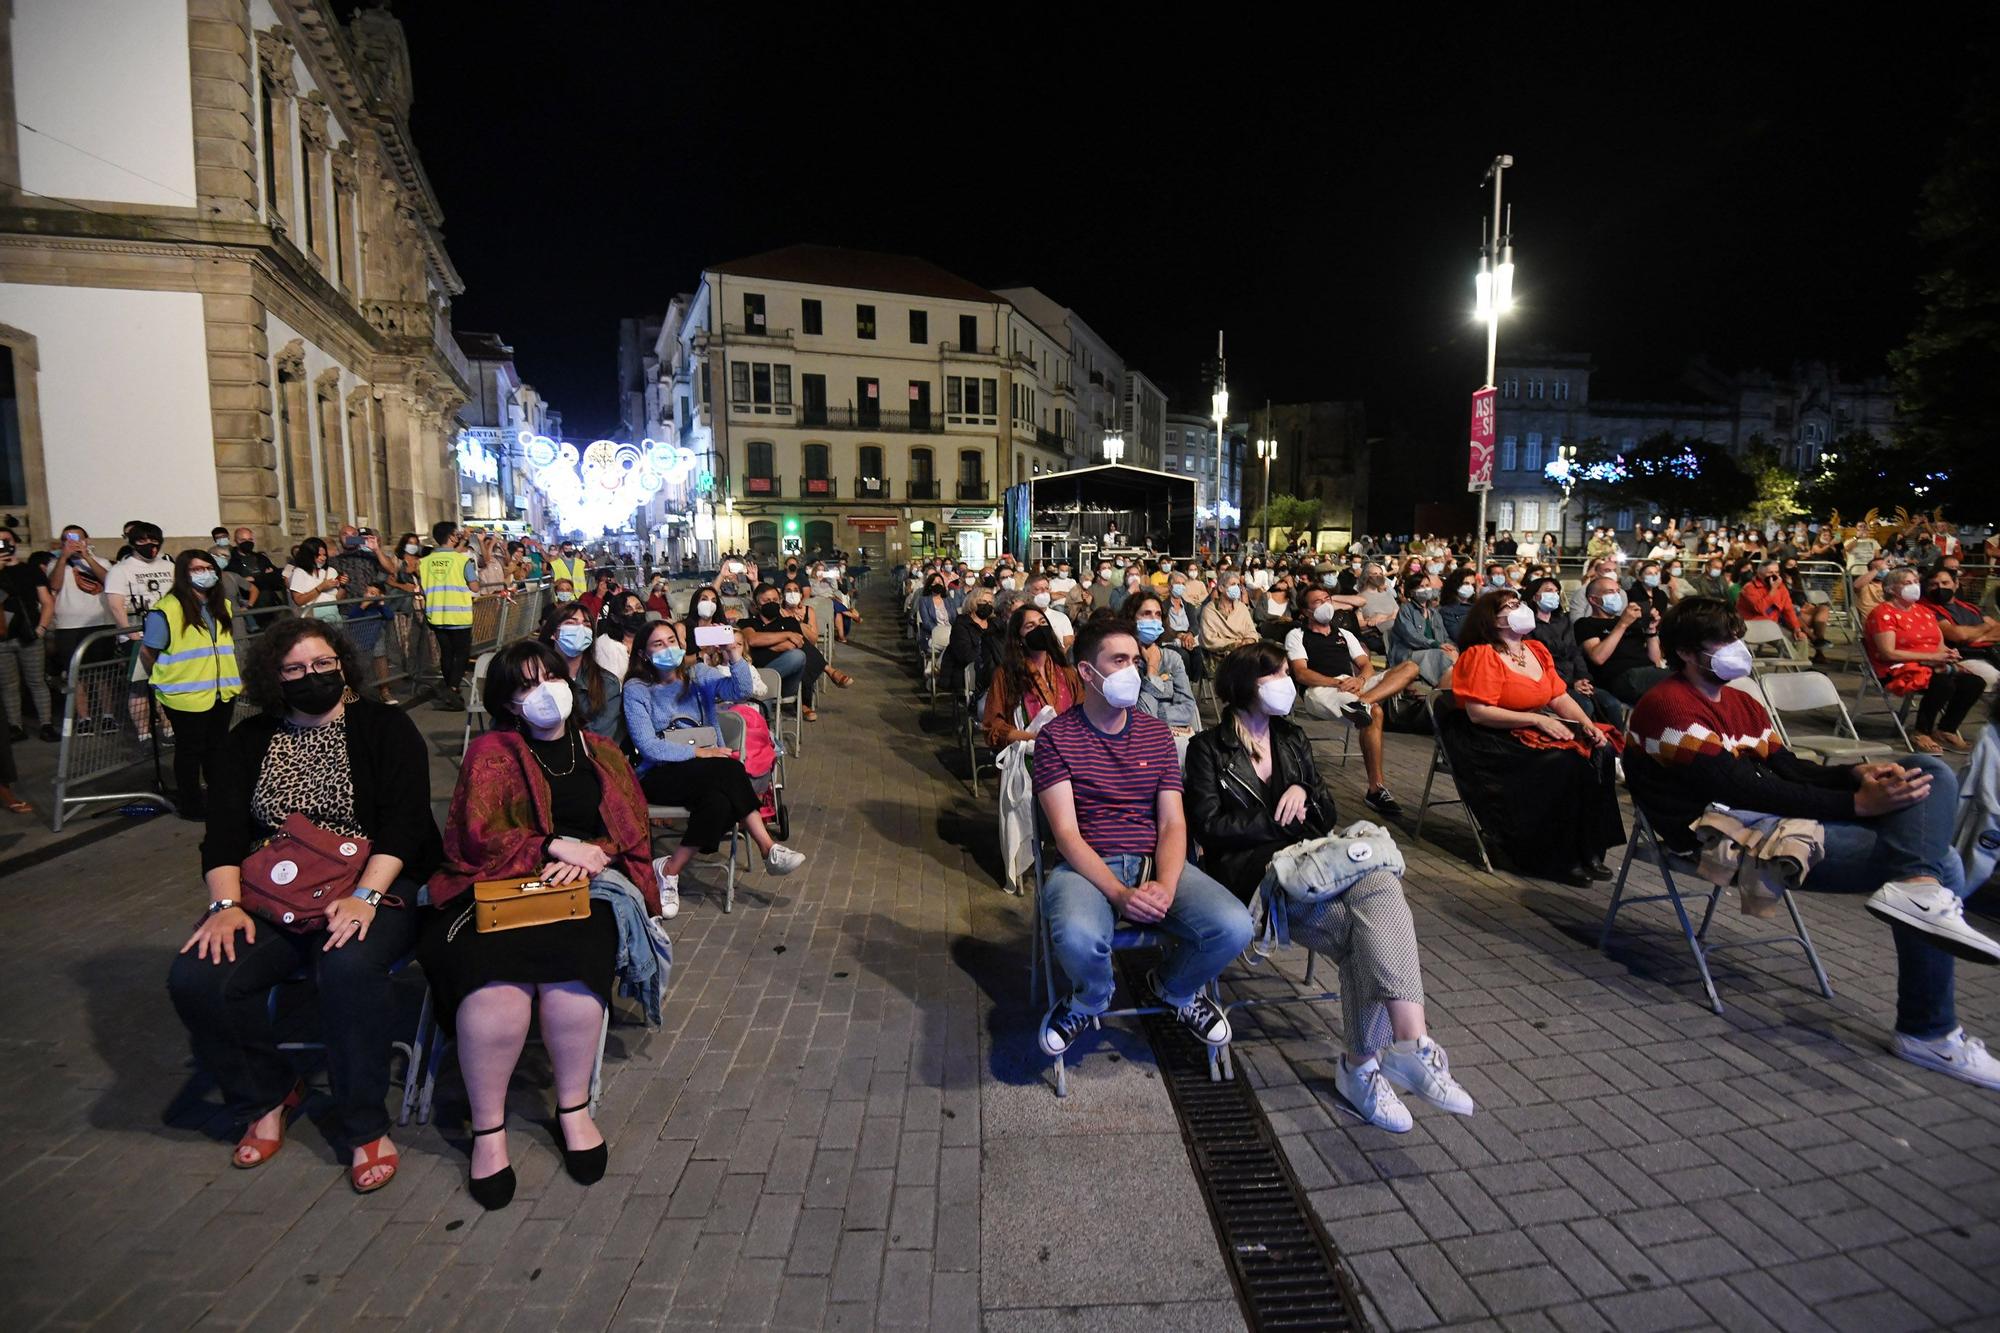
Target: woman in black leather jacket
(1242,820)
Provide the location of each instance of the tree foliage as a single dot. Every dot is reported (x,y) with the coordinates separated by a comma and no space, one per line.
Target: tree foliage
(1948,410)
(1775,487)
(1678,477)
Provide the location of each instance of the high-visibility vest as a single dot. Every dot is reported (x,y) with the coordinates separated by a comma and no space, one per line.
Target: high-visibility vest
(198,669)
(447,599)
(573,569)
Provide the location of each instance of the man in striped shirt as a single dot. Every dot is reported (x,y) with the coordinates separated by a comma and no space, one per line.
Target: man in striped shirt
(1109,781)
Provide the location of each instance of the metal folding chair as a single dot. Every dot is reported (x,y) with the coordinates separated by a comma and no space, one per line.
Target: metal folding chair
(1442,704)
(775,699)
(1813,691)
(975,742)
(1871,683)
(1045,989)
(1668,862)
(658,815)
(1760,634)
(475,701)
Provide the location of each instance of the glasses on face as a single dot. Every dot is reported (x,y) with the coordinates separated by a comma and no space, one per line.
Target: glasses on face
(319,666)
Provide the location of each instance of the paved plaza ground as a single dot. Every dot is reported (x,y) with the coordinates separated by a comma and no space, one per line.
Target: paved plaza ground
(842,1122)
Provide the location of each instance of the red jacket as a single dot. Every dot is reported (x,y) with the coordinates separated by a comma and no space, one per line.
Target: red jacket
(1761,602)
(500,817)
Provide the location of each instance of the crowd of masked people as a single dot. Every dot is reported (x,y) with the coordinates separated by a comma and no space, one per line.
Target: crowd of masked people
(541,893)
(1087,675)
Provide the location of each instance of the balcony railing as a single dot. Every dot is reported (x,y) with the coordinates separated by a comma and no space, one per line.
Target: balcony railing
(818,488)
(408,319)
(973,490)
(1048,439)
(923,490)
(896,421)
(763,486)
(871,488)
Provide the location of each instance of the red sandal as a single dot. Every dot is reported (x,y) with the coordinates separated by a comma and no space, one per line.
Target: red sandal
(370,1159)
(263,1150)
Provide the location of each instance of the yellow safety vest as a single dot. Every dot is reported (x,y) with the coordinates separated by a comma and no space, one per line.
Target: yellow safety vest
(447,600)
(576,571)
(198,669)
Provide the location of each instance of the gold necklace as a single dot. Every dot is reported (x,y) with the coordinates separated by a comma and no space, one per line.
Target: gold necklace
(575,753)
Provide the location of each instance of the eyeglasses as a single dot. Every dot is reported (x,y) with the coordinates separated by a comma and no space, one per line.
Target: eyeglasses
(319,666)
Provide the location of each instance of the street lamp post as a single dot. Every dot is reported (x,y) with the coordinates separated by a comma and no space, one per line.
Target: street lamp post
(1220,403)
(1494,290)
(1267,450)
(1114,445)
(1566,459)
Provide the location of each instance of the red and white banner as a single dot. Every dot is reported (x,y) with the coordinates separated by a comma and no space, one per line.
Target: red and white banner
(1479,472)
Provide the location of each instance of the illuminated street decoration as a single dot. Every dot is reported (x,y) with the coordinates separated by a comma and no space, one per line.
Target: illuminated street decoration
(475,461)
(604,483)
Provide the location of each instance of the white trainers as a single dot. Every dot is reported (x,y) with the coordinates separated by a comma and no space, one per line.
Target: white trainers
(1954,1053)
(782,860)
(1936,911)
(1426,1073)
(1370,1095)
(670,889)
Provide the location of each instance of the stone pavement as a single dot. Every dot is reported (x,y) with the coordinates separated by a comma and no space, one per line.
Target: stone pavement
(842,1122)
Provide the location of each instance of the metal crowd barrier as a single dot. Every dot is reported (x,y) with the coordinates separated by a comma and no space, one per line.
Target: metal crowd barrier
(126,727)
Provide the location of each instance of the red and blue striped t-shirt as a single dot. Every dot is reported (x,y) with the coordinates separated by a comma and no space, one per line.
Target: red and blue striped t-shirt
(1115,780)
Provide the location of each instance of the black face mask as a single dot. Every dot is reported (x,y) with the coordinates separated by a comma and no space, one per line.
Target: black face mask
(1942,596)
(769,610)
(1041,639)
(313,693)
(147,549)
(246,547)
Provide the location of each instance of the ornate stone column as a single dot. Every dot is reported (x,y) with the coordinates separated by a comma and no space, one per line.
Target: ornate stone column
(332,448)
(313,199)
(346,239)
(277,92)
(294,436)
(224,100)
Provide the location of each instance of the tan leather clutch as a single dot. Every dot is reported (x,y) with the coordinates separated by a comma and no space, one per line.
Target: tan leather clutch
(509,904)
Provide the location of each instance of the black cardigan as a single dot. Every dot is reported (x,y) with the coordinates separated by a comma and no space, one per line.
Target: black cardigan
(392,789)
(1231,819)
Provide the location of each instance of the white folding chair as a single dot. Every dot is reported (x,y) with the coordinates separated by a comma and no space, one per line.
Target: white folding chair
(475,701)
(1761,634)
(822,609)
(1044,987)
(1871,684)
(776,698)
(975,740)
(1442,704)
(1813,691)
(1644,841)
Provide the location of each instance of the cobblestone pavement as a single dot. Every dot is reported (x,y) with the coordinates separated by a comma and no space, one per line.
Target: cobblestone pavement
(841,1123)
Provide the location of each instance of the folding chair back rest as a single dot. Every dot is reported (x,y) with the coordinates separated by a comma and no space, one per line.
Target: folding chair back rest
(1799,691)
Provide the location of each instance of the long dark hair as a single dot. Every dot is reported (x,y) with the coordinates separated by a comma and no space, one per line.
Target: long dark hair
(692,620)
(193,599)
(507,675)
(1014,656)
(641,667)
(589,676)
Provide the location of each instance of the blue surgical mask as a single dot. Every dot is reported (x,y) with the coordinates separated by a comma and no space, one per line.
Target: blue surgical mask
(1650,580)
(669,657)
(1548,599)
(1180,590)
(1497,580)
(1150,632)
(574,640)
(203,579)
(1612,602)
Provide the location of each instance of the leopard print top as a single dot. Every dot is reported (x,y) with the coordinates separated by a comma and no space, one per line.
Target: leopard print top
(306,771)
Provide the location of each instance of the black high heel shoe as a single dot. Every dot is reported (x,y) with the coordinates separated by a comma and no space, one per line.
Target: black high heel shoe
(585,1165)
(497,1190)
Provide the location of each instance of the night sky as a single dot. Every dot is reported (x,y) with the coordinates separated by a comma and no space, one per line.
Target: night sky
(1688,188)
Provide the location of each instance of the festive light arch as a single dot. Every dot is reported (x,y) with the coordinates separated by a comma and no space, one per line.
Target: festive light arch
(603,484)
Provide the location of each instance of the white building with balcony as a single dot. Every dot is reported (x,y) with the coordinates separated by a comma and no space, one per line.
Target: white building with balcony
(851,400)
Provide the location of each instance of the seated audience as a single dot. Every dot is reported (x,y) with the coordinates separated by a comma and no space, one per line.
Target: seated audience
(1461,590)
(566,627)
(1336,679)
(537,796)
(1034,680)
(1907,650)
(1109,784)
(1694,742)
(1418,634)
(1226,621)
(976,642)
(353,767)
(1554,632)
(670,690)
(1765,597)
(1253,790)
(1165,692)
(1529,750)
(780,642)
(1620,638)
(623,621)
(1964,626)
(1377,611)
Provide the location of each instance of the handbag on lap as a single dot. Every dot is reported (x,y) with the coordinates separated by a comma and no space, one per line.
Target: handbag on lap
(300,871)
(526,900)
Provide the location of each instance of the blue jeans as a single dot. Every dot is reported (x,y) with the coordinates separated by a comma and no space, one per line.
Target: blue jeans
(1208,923)
(1861,854)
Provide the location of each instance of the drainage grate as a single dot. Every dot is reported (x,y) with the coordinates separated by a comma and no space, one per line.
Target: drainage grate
(1285,1268)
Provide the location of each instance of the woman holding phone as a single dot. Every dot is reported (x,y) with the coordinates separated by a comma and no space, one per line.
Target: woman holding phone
(671,717)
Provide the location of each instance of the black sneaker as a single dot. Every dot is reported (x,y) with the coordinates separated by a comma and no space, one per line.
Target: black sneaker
(1062,1025)
(1383,802)
(1357,711)
(1199,1015)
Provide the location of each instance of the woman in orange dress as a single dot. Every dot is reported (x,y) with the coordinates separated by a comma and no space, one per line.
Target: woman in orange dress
(1536,772)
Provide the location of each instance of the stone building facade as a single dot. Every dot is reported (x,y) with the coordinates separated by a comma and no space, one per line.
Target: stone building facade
(224,290)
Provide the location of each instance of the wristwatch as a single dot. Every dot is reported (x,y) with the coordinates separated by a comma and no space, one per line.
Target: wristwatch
(220,905)
(373,897)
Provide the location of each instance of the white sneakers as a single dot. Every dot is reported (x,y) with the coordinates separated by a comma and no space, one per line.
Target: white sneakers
(1422,1068)
(1954,1053)
(670,889)
(1419,1068)
(782,860)
(1370,1095)
(1936,911)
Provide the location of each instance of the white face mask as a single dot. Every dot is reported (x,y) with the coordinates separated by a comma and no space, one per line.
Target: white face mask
(791,599)
(1520,619)
(1909,592)
(1323,613)
(1042,600)
(1277,695)
(1731,661)
(704,608)
(1120,688)
(546,705)
(1006,585)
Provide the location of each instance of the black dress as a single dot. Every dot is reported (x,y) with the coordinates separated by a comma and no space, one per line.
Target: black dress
(458,959)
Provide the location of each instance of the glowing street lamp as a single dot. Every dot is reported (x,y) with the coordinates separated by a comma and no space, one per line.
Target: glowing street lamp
(1493,296)
(1114,445)
(1267,450)
(1220,403)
